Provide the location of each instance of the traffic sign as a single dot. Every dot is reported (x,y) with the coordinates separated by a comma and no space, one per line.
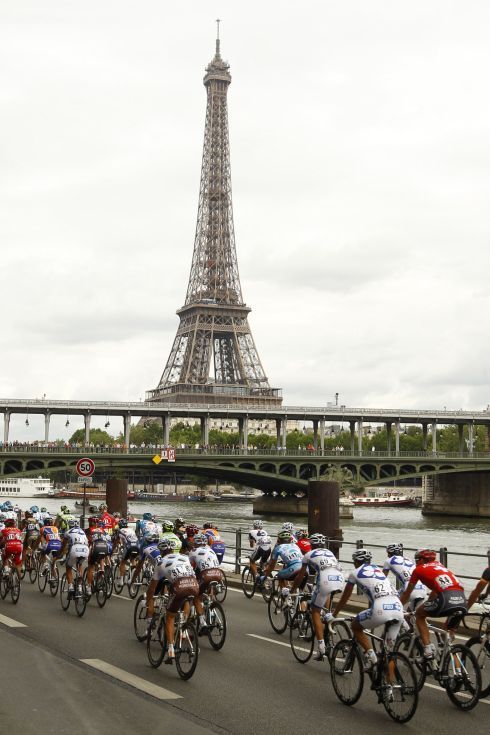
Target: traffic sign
(171,454)
(88,480)
(85,467)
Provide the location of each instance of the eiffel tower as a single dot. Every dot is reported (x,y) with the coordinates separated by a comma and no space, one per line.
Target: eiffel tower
(213,359)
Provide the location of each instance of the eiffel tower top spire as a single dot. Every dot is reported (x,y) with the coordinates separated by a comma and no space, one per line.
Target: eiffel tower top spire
(213,357)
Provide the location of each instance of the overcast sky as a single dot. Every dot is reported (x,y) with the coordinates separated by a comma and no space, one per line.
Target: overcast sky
(361,181)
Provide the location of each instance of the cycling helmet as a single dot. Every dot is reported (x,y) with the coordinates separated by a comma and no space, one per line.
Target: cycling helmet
(302,534)
(147,516)
(179,522)
(284,537)
(2,518)
(123,523)
(7,505)
(425,555)
(192,530)
(116,514)
(288,526)
(64,509)
(166,545)
(34,509)
(363,556)
(207,525)
(167,526)
(102,507)
(9,523)
(200,539)
(151,538)
(44,510)
(93,521)
(72,522)
(48,521)
(394,549)
(258,525)
(317,540)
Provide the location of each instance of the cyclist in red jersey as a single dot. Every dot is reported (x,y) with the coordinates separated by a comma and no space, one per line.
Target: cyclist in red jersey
(302,541)
(11,543)
(109,521)
(446,598)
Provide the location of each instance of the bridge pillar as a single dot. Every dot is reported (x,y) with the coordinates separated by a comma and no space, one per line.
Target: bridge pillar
(46,427)
(434,436)
(397,437)
(359,436)
(204,431)
(315,434)
(322,435)
(352,425)
(388,436)
(127,428)
(6,426)
(243,433)
(459,494)
(424,437)
(284,432)
(461,438)
(117,496)
(86,418)
(470,438)
(323,511)
(278,433)
(166,429)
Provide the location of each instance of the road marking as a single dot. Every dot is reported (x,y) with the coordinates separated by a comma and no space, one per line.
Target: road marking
(11,623)
(134,681)
(122,597)
(440,689)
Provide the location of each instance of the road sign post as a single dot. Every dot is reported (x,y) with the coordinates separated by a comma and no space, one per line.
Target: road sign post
(85,469)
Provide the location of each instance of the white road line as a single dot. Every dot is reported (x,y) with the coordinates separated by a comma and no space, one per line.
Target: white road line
(11,623)
(280,643)
(135,681)
(122,597)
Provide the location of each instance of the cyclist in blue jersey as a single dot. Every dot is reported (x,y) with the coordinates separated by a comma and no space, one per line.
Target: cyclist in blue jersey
(287,552)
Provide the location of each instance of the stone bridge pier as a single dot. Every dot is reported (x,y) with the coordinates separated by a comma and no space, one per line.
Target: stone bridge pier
(460,494)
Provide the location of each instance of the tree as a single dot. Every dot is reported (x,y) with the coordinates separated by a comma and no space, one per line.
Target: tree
(96,436)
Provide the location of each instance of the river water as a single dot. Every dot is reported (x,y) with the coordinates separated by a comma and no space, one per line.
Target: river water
(373,525)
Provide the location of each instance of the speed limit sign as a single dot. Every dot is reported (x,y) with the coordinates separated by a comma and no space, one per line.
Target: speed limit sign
(85,467)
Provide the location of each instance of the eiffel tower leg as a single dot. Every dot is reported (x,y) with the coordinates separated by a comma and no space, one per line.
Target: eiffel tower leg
(204,431)
(166,430)
(278,433)
(243,434)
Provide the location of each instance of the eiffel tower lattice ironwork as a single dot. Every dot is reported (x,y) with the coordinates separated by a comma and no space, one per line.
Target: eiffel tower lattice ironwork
(213,359)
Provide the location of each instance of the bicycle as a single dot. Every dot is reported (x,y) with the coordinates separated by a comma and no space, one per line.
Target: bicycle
(251,584)
(222,588)
(78,594)
(302,634)
(455,667)
(282,609)
(143,579)
(125,579)
(185,641)
(479,645)
(48,573)
(140,613)
(10,580)
(99,584)
(215,618)
(392,677)
(30,565)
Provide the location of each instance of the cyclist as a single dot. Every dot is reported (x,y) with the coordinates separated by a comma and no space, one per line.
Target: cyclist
(2,521)
(145,525)
(30,526)
(35,512)
(176,569)
(480,592)
(446,598)
(168,532)
(302,541)
(62,519)
(11,543)
(179,528)
(290,555)
(43,514)
(385,607)
(49,541)
(206,566)
(329,580)
(261,543)
(99,550)
(108,520)
(126,538)
(188,542)
(75,543)
(148,549)
(288,526)
(215,540)
(9,511)
(402,567)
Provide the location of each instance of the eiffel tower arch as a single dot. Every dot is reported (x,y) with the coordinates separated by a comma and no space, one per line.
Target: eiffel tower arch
(214,359)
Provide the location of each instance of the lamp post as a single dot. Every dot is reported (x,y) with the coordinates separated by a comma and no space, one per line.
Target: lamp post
(336,399)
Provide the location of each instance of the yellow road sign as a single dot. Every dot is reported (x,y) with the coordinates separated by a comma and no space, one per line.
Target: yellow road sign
(157,459)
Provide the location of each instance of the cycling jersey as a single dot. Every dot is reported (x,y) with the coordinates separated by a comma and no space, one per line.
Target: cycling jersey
(385,604)
(291,557)
(436,577)
(62,520)
(108,521)
(176,542)
(173,566)
(329,578)
(304,545)
(320,560)
(31,529)
(11,544)
(76,537)
(144,528)
(372,582)
(50,539)
(127,537)
(203,558)
(260,538)
(215,540)
(402,568)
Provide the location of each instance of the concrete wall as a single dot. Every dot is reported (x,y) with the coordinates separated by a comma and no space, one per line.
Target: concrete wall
(288,506)
(460,494)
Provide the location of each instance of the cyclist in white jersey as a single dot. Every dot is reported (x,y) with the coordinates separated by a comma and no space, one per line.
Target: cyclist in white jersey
(206,566)
(126,538)
(385,606)
(176,569)
(75,543)
(402,567)
(261,543)
(329,580)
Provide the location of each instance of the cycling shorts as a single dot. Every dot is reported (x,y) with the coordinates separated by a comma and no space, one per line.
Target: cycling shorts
(207,576)
(219,549)
(447,602)
(386,609)
(53,547)
(130,552)
(13,548)
(327,583)
(182,587)
(98,552)
(290,571)
(260,555)
(29,540)
(77,552)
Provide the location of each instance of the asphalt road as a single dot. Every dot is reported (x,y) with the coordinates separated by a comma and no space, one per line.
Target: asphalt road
(252,685)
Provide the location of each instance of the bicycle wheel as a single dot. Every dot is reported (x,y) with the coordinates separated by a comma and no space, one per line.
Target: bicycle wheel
(100,585)
(267,589)
(222,588)
(15,586)
(42,577)
(139,618)
(32,568)
(216,620)
(24,568)
(54,581)
(414,649)
(64,595)
(155,641)
(347,671)
(302,636)
(186,650)
(119,581)
(248,583)
(109,579)
(134,587)
(481,651)
(278,612)
(400,696)
(462,677)
(80,597)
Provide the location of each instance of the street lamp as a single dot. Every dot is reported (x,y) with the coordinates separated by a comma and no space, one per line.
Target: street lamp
(336,399)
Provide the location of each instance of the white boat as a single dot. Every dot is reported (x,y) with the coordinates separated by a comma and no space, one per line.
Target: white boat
(25,487)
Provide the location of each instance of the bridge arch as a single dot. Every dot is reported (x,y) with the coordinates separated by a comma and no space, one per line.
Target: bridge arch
(288,469)
(387,470)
